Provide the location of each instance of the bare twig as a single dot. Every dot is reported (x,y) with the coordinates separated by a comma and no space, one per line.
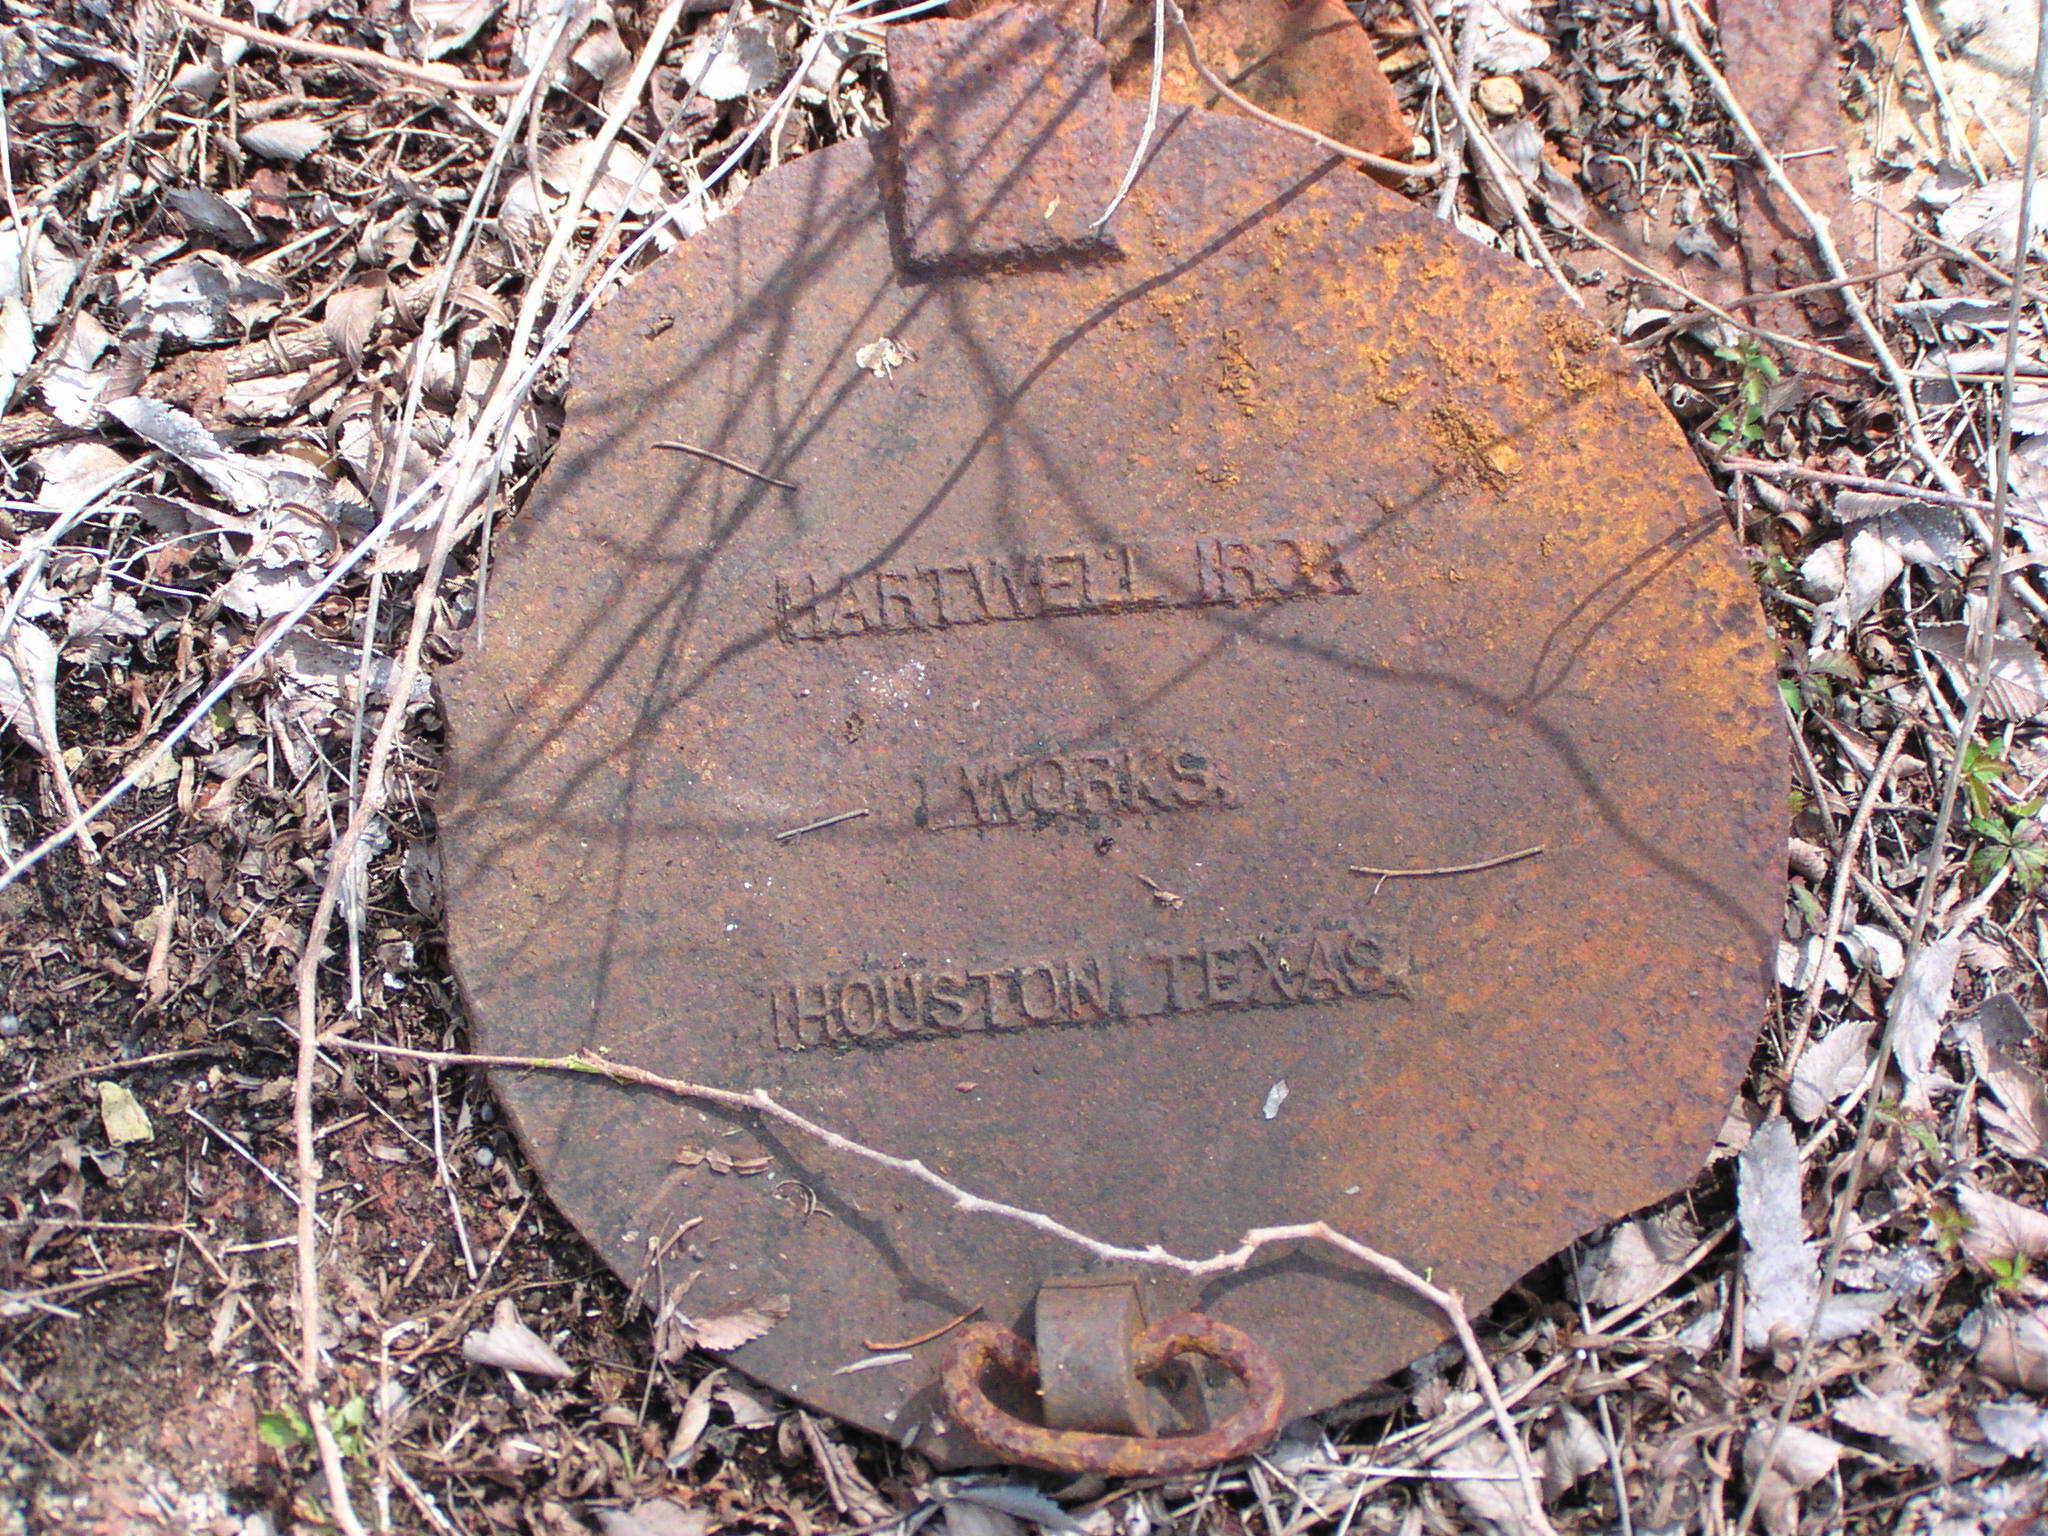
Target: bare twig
(923,1338)
(108,1069)
(1686,321)
(1413,169)
(1961,253)
(240,1148)
(1830,284)
(20,1392)
(1151,127)
(331,1470)
(733,464)
(1770,471)
(1952,136)
(822,823)
(87,1282)
(362,58)
(1500,167)
(1985,640)
(1486,152)
(342,855)
(1460,86)
(757,1101)
(1838,899)
(1431,871)
(444,1178)
(1678,30)
(1724,314)
(487,424)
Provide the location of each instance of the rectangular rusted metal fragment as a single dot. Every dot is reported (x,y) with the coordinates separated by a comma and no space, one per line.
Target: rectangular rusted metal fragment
(1308,61)
(1782,62)
(1003,147)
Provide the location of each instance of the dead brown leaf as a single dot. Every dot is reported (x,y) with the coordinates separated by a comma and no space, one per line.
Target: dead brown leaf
(1999,1040)
(719,1334)
(352,314)
(510,1345)
(1800,1458)
(2011,1344)
(1997,1231)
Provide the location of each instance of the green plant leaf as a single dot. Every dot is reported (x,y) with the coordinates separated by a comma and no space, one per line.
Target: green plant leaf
(283,1429)
(1991,827)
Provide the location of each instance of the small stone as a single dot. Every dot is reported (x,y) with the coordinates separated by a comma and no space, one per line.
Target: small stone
(10,1025)
(485,1157)
(122,1116)
(1500,95)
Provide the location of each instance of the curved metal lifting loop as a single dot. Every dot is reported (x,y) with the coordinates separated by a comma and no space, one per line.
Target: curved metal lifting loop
(983,1345)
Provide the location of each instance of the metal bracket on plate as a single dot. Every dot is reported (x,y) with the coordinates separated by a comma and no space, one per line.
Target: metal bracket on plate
(1004,145)
(1093,1349)
(1088,1330)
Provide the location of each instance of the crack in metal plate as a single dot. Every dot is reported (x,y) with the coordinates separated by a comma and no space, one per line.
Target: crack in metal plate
(1099,638)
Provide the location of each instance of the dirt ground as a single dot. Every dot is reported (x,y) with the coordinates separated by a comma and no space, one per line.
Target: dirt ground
(219,258)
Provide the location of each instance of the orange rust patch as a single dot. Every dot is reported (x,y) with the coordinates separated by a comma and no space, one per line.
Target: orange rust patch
(1240,376)
(1476,450)
(1575,346)
(1397,394)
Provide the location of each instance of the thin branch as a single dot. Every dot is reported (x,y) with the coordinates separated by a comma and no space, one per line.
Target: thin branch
(1486,152)
(1138,154)
(1838,900)
(733,464)
(1830,284)
(332,1472)
(240,1148)
(362,58)
(1724,314)
(1961,253)
(1764,469)
(1678,31)
(1415,169)
(822,823)
(1431,871)
(341,859)
(1499,166)
(1986,640)
(108,1069)
(757,1101)
(342,856)
(439,476)
(1452,145)
(1952,136)
(923,1338)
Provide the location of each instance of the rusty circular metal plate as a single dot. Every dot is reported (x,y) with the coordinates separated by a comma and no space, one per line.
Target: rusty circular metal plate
(1140,600)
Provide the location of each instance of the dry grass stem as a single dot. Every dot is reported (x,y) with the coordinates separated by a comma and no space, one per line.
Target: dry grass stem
(756,1101)
(1838,897)
(1492,163)
(372,799)
(1431,871)
(1416,170)
(1984,639)
(361,58)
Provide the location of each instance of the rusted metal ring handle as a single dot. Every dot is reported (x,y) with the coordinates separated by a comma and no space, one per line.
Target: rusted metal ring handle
(982,1345)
